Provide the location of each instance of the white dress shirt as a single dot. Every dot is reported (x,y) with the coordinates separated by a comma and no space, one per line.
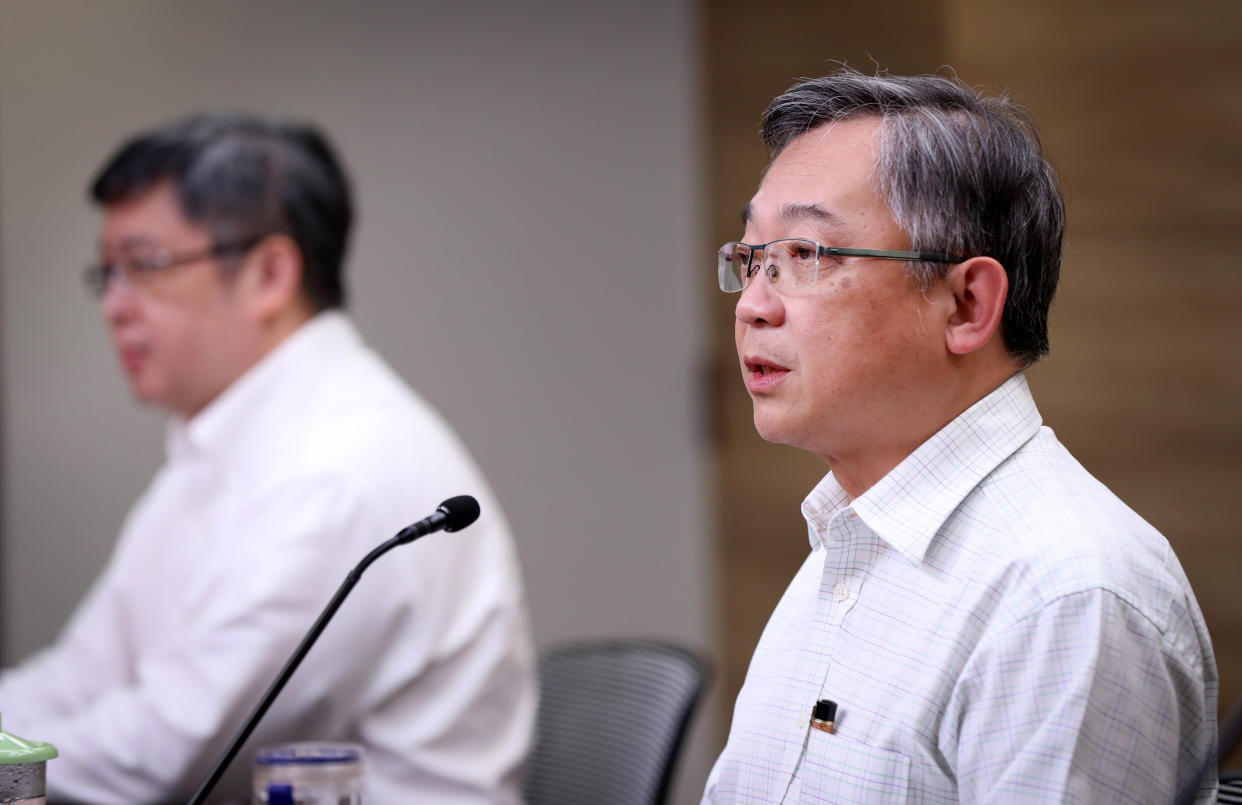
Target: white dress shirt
(994,625)
(269,496)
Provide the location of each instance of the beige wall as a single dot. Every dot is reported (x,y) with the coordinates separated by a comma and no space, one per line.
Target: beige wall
(527,178)
(1140,106)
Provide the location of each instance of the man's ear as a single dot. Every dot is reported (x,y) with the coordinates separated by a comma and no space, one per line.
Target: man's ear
(979,287)
(273,276)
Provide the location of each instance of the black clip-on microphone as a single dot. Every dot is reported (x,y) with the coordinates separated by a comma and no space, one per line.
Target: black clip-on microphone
(453,514)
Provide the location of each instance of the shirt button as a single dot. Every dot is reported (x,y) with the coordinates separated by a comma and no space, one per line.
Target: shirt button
(841,591)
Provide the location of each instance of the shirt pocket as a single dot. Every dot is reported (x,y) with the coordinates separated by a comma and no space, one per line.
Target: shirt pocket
(840,771)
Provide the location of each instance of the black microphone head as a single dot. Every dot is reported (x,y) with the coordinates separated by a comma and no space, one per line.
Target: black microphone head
(459,512)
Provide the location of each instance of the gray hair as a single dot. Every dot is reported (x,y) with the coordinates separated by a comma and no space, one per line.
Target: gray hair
(963,174)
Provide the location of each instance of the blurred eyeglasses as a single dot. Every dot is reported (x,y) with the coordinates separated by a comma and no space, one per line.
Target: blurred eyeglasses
(793,264)
(141,269)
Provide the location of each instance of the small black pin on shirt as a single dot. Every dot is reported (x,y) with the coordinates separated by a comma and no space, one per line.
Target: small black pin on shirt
(824,715)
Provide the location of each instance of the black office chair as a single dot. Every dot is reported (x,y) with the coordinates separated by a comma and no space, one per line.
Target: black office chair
(1230,788)
(1230,734)
(612,717)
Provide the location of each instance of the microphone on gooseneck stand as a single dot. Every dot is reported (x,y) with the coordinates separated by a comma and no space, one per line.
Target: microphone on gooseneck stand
(453,514)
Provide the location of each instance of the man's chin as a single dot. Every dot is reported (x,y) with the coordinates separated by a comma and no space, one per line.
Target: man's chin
(144,394)
(772,429)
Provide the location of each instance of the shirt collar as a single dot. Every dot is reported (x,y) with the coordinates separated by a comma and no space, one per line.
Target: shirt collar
(819,508)
(909,505)
(218,425)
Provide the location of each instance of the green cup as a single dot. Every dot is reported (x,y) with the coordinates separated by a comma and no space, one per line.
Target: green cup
(23,770)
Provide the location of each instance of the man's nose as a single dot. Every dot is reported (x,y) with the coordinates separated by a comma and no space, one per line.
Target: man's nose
(118,297)
(760,302)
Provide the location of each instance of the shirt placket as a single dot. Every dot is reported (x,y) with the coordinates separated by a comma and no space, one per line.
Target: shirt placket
(846,553)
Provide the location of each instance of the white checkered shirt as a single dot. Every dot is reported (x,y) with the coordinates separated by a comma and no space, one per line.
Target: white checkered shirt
(994,626)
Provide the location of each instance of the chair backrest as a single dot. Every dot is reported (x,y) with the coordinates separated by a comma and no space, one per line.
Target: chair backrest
(1230,788)
(1229,735)
(612,716)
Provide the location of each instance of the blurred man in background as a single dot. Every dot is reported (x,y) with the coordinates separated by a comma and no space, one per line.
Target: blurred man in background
(292,451)
(979,620)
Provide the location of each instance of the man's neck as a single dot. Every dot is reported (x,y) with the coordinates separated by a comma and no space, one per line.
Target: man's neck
(271,335)
(859,469)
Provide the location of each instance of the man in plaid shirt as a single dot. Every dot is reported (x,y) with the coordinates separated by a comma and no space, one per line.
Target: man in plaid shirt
(979,620)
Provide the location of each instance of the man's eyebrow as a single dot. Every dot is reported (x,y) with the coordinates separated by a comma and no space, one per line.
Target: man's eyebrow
(801,212)
(798,212)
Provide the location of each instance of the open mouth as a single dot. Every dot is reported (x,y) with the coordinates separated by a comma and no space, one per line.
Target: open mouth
(761,374)
(758,366)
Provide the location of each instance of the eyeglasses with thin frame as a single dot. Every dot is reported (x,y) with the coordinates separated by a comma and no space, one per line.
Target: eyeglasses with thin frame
(794,264)
(140,269)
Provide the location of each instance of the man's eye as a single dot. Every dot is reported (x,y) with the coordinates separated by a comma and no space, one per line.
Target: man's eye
(803,253)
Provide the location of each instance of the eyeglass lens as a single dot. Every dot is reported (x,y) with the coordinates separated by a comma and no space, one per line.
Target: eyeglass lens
(790,263)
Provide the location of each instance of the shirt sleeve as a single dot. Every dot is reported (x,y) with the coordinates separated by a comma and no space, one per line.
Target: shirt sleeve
(1085,701)
(152,735)
(50,682)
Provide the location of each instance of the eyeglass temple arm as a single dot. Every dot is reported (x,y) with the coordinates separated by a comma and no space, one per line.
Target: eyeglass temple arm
(933,257)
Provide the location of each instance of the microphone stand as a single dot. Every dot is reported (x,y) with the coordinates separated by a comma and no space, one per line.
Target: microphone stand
(435,522)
